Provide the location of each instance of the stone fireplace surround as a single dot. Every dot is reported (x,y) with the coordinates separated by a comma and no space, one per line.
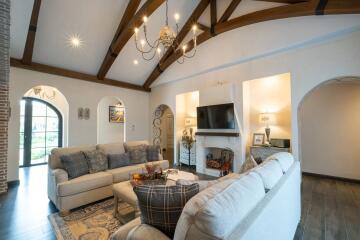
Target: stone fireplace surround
(205,142)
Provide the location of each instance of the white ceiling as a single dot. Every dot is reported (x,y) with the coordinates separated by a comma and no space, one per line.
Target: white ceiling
(96,21)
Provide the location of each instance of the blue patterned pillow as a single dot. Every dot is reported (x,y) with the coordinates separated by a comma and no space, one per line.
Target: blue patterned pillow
(97,161)
(138,154)
(118,160)
(75,164)
(161,206)
(153,153)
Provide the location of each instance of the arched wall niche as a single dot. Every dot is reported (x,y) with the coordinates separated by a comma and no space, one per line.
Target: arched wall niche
(110,131)
(328,123)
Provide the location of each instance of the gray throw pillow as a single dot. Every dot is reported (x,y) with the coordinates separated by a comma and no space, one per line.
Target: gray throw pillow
(118,160)
(75,164)
(97,161)
(161,206)
(138,154)
(153,153)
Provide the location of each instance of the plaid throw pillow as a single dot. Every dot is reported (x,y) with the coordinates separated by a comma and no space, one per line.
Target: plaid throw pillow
(137,154)
(75,164)
(97,161)
(161,206)
(153,153)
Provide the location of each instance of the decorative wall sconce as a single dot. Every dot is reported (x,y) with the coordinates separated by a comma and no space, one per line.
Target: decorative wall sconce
(83,113)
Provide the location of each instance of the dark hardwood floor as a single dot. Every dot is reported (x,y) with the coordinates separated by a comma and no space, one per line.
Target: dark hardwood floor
(330,208)
(25,208)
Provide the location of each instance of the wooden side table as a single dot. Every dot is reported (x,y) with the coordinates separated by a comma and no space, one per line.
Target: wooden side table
(260,153)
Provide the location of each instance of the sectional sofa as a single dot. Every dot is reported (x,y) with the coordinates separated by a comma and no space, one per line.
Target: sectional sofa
(67,193)
(263,203)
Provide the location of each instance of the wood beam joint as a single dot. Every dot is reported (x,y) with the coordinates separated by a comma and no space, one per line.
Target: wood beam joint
(320,8)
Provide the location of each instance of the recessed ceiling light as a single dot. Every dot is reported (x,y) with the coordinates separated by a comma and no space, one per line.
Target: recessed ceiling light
(75,41)
(136,62)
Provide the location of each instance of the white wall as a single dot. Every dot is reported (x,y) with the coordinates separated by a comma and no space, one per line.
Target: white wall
(330,130)
(109,132)
(78,94)
(309,64)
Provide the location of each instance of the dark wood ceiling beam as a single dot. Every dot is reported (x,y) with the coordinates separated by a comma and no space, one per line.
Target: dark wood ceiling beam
(213,14)
(287,11)
(229,10)
(129,13)
(195,15)
(203,27)
(284,1)
(73,74)
(146,10)
(30,39)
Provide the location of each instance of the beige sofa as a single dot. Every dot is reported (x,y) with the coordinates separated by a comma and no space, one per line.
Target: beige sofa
(68,194)
(263,203)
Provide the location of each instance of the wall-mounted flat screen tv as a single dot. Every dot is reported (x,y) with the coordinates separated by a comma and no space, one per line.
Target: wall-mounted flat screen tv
(216,117)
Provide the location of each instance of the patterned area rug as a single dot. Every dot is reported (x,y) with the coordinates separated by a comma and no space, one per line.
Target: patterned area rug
(91,222)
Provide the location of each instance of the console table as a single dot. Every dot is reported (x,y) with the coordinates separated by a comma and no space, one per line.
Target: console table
(260,153)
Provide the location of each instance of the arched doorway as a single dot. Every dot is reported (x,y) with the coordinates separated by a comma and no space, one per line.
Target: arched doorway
(329,117)
(41,130)
(163,131)
(111,120)
(44,113)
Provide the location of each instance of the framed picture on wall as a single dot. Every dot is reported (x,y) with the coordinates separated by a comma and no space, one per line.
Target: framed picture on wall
(258,139)
(116,114)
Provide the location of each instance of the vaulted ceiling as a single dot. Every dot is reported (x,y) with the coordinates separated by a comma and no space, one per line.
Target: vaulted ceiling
(40,31)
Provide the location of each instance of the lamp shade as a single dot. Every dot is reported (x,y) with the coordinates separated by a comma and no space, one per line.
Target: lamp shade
(190,122)
(267,118)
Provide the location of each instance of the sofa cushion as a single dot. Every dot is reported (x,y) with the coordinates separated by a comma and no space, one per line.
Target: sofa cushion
(284,158)
(111,148)
(137,154)
(153,153)
(84,183)
(123,173)
(118,160)
(75,164)
(161,206)
(54,159)
(270,173)
(203,184)
(134,143)
(97,161)
(216,211)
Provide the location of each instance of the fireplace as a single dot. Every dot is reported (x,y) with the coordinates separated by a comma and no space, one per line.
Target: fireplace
(220,159)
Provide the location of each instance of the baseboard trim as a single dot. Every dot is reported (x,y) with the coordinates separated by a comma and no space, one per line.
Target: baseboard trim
(331,177)
(14,183)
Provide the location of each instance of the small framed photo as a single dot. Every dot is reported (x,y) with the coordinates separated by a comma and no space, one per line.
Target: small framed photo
(258,139)
(116,114)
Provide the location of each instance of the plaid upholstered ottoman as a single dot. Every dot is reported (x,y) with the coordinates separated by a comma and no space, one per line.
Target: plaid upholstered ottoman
(124,191)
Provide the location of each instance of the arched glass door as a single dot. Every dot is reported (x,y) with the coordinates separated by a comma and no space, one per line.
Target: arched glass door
(40,131)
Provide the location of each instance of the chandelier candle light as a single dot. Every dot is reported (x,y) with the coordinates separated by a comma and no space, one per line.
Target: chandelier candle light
(167,39)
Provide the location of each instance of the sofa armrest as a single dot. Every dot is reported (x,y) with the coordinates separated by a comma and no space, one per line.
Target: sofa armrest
(55,176)
(60,175)
(144,231)
(123,231)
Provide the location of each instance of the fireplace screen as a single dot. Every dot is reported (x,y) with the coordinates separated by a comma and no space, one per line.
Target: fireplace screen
(220,159)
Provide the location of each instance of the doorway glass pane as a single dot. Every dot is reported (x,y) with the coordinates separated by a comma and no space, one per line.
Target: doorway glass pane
(39,109)
(39,132)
